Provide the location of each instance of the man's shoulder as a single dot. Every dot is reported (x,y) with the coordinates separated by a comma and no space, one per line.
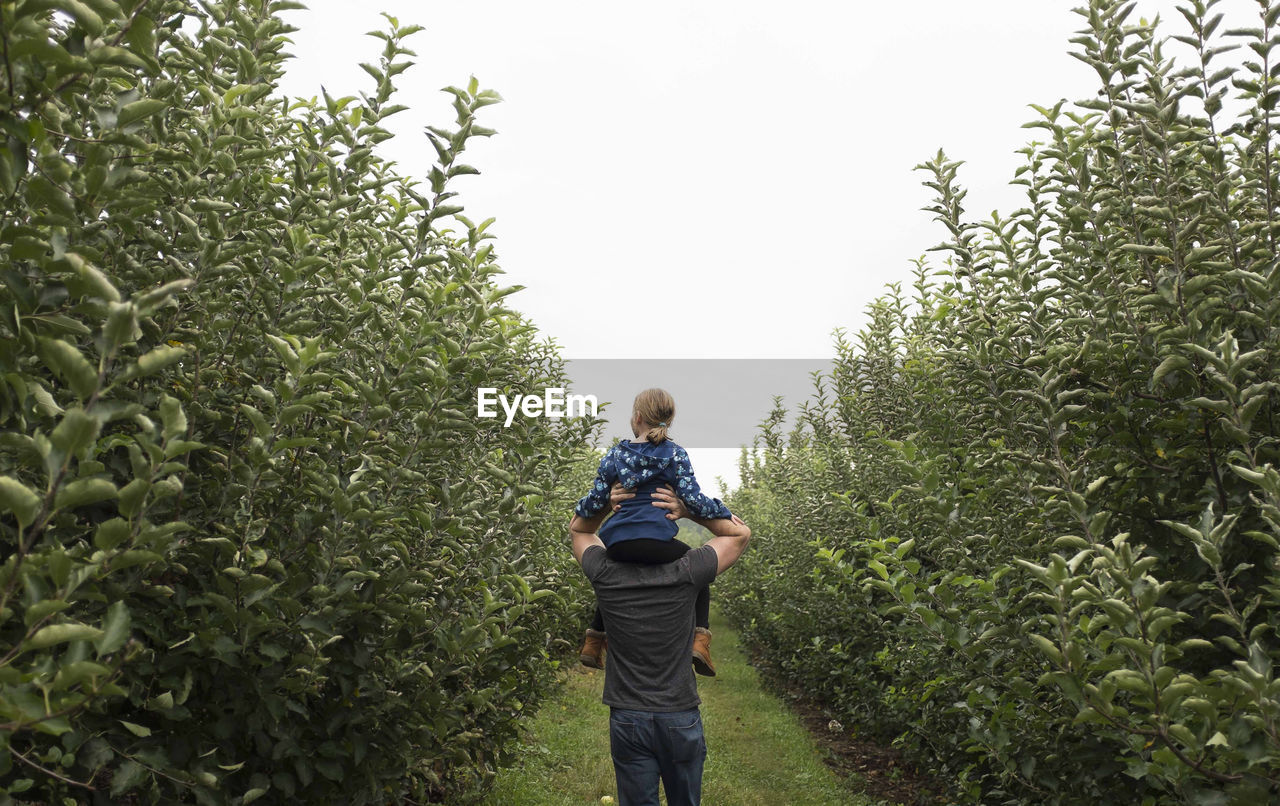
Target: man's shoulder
(703,563)
(706,550)
(593,560)
(697,565)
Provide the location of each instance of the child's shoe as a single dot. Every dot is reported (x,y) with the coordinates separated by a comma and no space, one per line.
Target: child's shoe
(702,652)
(593,648)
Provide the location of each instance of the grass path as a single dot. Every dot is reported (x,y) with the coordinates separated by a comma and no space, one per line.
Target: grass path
(758,752)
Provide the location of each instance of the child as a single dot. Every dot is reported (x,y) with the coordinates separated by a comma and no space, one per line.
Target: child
(640,532)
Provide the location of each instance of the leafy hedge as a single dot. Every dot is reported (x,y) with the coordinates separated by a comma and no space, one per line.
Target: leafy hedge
(1030,524)
(256,545)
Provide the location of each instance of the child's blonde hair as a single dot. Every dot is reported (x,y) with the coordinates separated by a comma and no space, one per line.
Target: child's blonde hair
(657,408)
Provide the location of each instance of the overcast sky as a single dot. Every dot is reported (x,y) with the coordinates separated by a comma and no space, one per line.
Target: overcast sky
(714,179)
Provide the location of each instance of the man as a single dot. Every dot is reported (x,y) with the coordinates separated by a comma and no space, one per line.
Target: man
(655,728)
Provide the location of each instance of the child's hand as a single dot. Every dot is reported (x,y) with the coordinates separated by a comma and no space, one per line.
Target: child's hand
(618,494)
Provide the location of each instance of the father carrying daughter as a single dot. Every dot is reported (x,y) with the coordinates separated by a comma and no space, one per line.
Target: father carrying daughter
(638,531)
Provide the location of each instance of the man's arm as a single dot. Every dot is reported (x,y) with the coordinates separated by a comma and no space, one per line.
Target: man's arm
(582,533)
(730,535)
(583,541)
(731,539)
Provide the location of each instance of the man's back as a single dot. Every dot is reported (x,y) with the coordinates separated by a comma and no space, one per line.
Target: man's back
(648,614)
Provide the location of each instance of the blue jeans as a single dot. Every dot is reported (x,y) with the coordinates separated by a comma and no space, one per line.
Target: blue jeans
(647,746)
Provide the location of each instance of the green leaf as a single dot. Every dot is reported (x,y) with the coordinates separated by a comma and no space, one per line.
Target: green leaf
(1147,249)
(1194,643)
(110,54)
(161,702)
(175,421)
(61,633)
(136,111)
(260,426)
(1047,647)
(1197,284)
(1248,474)
(1171,364)
(287,354)
(177,447)
(71,365)
(1070,542)
(132,495)
(95,283)
(115,629)
(112,533)
(76,432)
(129,774)
(235,92)
(156,297)
(212,206)
(1220,406)
(121,327)
(81,671)
(43,608)
(45,402)
(155,360)
(84,491)
(132,557)
(83,14)
(15,497)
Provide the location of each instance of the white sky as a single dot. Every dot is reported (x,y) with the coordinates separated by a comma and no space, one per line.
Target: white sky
(734,175)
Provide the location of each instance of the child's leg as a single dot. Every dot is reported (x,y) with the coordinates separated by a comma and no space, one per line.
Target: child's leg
(593,644)
(701,609)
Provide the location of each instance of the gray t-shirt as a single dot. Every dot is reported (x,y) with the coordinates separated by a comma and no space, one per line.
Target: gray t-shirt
(648,616)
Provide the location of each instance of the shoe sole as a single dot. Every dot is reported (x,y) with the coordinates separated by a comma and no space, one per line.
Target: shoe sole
(703,666)
(590,662)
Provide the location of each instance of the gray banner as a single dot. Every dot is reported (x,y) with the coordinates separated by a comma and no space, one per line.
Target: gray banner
(720,402)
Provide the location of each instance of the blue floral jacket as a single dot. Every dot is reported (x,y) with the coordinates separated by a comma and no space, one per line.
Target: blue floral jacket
(644,467)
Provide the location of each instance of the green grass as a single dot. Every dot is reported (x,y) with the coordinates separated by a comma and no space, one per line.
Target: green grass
(758,753)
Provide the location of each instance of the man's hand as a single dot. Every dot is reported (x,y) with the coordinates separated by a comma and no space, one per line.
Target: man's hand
(665,497)
(618,494)
(730,538)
